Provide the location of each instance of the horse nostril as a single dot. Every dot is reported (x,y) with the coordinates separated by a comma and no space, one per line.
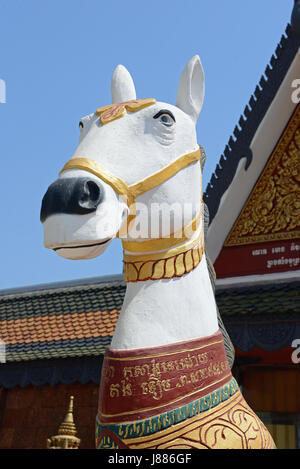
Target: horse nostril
(91,195)
(76,196)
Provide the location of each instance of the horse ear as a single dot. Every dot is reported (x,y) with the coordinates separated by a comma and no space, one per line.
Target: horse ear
(122,86)
(190,93)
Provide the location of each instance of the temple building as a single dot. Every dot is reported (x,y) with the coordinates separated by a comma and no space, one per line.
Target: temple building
(254,242)
(54,336)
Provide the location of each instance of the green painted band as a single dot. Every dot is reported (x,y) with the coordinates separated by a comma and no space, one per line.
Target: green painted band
(172,417)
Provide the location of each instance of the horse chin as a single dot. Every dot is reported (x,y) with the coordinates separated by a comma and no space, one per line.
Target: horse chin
(84,251)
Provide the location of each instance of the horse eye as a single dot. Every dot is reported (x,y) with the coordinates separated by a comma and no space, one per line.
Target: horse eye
(81,125)
(166,117)
(166,120)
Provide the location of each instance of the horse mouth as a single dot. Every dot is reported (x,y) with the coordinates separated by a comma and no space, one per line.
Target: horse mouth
(82,245)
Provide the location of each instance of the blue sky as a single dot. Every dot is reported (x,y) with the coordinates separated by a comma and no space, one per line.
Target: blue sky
(57,58)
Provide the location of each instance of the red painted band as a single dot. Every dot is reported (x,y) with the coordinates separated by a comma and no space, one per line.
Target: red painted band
(145,382)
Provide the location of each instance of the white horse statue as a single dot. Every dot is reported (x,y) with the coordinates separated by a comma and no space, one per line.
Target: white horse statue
(136,174)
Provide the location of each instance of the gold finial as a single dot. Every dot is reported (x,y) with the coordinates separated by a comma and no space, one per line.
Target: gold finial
(66,438)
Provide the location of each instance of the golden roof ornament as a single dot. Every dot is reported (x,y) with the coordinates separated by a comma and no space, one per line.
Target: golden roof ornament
(66,437)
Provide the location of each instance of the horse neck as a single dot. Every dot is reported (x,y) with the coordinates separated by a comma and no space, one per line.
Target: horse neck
(162,312)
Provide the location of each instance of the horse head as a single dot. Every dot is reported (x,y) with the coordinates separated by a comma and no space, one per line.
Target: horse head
(133,153)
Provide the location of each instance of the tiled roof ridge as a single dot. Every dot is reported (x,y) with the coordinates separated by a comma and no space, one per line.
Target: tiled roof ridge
(45,328)
(62,348)
(248,289)
(239,144)
(60,289)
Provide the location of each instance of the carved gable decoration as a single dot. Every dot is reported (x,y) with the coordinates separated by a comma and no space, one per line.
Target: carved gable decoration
(272,211)
(265,238)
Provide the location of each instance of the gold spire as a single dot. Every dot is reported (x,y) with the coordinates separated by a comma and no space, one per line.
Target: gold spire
(66,438)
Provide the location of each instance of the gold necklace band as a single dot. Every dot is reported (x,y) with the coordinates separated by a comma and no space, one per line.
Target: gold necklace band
(180,248)
(164,265)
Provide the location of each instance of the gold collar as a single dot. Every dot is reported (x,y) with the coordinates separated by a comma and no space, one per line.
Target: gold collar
(167,264)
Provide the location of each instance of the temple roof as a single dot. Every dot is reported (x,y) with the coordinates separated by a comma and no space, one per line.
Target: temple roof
(272,112)
(79,320)
(264,301)
(238,146)
(55,320)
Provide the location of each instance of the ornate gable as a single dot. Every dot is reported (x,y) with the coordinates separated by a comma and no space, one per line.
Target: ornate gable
(265,237)
(272,211)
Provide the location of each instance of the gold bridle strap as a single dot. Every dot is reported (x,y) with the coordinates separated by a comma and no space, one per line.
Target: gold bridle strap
(129,193)
(165,173)
(158,244)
